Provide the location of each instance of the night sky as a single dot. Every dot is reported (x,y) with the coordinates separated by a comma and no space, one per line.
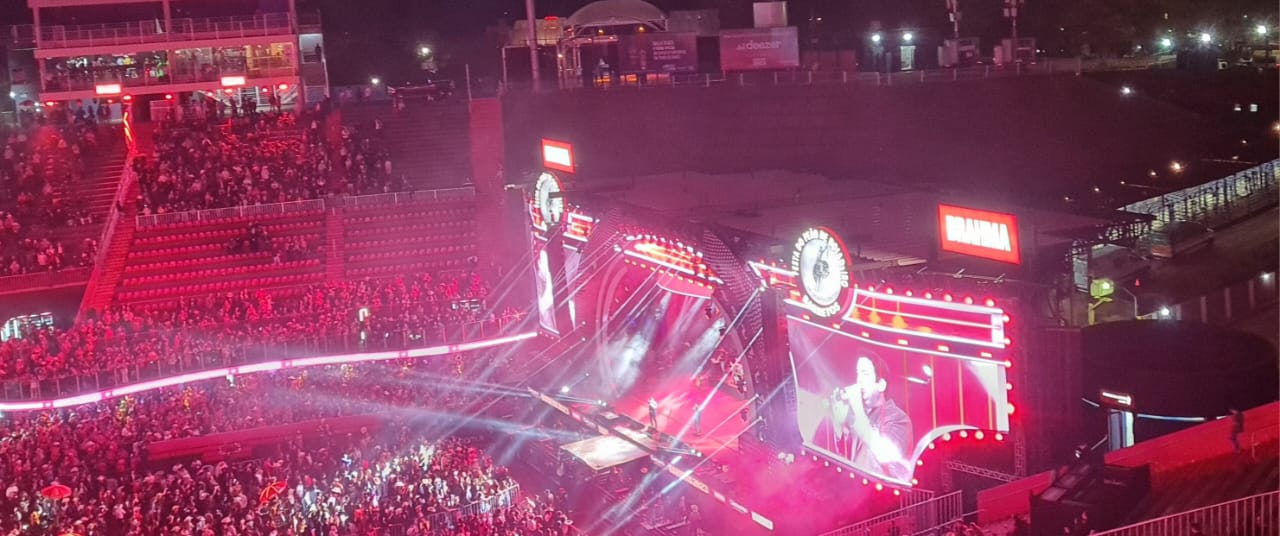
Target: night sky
(367,37)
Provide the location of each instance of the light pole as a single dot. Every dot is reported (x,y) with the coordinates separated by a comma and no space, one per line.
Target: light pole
(953,9)
(533,41)
(1011,8)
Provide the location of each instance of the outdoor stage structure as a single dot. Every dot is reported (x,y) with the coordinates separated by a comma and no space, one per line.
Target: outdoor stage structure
(803,320)
(822,356)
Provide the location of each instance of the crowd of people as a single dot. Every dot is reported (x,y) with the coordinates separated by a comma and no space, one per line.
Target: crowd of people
(37,167)
(385,482)
(203,163)
(194,332)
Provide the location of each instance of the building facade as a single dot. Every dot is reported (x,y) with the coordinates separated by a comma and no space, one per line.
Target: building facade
(171,51)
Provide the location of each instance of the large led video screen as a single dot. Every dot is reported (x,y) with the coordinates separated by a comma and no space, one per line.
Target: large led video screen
(546,298)
(874,397)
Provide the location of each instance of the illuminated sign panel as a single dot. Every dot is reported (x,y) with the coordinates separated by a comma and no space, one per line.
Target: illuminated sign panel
(232,81)
(979,233)
(893,372)
(107,89)
(873,392)
(557,155)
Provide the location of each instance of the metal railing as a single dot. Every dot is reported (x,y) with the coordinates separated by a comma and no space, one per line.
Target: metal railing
(127,177)
(310,205)
(400,198)
(1218,202)
(153,31)
(39,280)
(230,355)
(918,518)
(240,212)
(453,518)
(1256,515)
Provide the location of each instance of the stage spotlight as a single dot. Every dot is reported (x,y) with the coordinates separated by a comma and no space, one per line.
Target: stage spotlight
(564,390)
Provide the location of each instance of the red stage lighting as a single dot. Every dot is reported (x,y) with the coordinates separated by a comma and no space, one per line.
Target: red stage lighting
(1011,408)
(283,87)
(990,302)
(979,435)
(946,436)
(168,96)
(879,486)
(897,492)
(999,436)
(968,300)
(946,297)
(964,434)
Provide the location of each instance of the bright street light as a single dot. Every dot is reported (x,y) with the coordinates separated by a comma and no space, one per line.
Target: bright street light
(1166,42)
(375,80)
(1176,166)
(1261,29)
(1126,90)
(1206,38)
(908,37)
(875,37)
(425,51)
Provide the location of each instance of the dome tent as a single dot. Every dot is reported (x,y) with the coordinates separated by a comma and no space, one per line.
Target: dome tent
(606,13)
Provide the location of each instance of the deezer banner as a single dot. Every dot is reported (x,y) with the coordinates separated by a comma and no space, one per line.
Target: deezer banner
(758,49)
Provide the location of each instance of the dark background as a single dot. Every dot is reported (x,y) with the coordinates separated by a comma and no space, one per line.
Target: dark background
(381,37)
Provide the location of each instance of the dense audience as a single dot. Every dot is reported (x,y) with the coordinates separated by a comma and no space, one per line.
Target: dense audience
(391,482)
(38,165)
(200,165)
(204,164)
(196,332)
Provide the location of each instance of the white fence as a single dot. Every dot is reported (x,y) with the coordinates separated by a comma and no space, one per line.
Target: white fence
(310,205)
(229,213)
(1256,515)
(397,198)
(919,518)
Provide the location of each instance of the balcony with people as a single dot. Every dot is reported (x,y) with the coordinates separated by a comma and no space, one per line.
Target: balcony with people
(163,68)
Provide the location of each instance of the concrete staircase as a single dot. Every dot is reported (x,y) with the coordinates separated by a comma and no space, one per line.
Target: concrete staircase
(429,143)
(334,246)
(97,189)
(101,290)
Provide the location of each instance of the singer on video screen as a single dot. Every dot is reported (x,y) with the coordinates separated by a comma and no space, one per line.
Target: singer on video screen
(864,426)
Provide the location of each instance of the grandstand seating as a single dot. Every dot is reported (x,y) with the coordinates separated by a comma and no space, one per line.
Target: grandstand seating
(429,143)
(415,237)
(1216,481)
(169,261)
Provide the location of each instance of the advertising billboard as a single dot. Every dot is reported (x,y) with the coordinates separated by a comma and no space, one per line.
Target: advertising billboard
(759,49)
(896,375)
(558,155)
(979,233)
(658,53)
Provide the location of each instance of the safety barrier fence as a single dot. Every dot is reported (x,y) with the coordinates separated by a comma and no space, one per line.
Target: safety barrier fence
(228,213)
(919,518)
(1255,515)
(309,205)
(219,356)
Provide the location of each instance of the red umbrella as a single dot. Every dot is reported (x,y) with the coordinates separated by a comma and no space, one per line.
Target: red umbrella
(272,491)
(56,492)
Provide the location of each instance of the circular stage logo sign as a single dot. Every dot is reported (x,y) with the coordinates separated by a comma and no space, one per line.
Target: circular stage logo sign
(820,259)
(549,198)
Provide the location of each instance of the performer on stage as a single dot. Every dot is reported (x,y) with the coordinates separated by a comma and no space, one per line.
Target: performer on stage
(653,414)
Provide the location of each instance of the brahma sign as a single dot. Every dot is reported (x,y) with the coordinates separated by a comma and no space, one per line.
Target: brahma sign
(979,233)
(558,155)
